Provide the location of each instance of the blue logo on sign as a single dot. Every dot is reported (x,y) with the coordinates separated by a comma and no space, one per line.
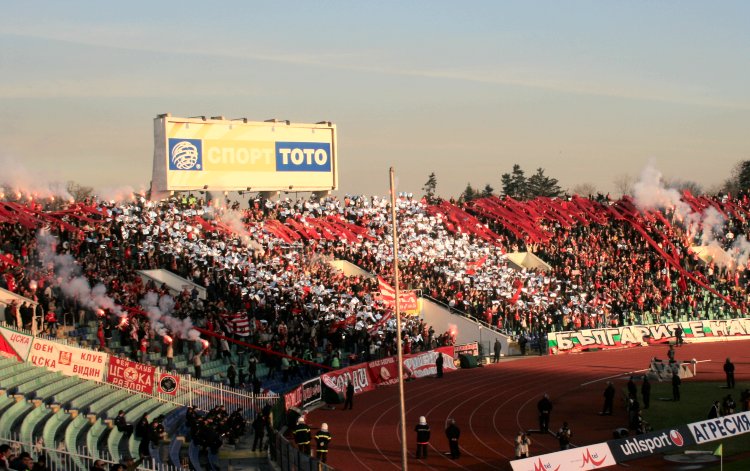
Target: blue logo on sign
(303,157)
(185,154)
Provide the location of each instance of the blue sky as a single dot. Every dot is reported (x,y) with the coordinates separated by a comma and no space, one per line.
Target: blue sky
(590,91)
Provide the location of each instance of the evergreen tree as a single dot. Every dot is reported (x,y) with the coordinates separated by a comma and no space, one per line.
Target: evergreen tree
(514,183)
(429,188)
(469,193)
(488,191)
(541,185)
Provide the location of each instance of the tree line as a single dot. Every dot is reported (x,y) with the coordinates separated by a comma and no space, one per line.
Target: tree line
(517,185)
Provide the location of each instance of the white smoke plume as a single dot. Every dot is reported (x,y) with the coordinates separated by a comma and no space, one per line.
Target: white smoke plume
(650,193)
(119,194)
(159,311)
(20,183)
(68,276)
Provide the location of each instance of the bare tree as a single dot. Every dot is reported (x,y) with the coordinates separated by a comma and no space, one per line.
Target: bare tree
(624,184)
(78,191)
(584,189)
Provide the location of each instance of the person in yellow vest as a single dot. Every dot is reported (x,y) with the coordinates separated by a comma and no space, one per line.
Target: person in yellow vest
(322,439)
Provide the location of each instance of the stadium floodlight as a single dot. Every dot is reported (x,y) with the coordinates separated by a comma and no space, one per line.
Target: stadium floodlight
(244,120)
(327,123)
(275,120)
(196,117)
(218,118)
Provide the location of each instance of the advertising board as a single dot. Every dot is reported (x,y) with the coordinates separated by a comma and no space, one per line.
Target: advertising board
(239,155)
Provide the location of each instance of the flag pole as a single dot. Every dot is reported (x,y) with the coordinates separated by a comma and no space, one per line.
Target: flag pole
(404,463)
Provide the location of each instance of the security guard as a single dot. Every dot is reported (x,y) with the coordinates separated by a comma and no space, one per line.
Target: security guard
(302,436)
(322,439)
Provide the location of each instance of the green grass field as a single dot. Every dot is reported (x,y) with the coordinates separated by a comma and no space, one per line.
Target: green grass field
(694,406)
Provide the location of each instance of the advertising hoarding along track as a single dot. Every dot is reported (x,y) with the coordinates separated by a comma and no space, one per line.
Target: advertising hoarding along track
(239,155)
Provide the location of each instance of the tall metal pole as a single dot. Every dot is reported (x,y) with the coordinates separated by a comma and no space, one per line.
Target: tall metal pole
(404,463)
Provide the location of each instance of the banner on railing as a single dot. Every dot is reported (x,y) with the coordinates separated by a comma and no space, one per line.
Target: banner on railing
(420,365)
(638,335)
(168,383)
(71,361)
(466,349)
(14,344)
(384,371)
(131,375)
(359,375)
(582,458)
(648,444)
(312,392)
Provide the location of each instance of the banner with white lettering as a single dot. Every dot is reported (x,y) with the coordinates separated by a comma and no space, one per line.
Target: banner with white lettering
(641,335)
(71,361)
(720,428)
(582,458)
(384,371)
(466,349)
(420,365)
(358,374)
(293,398)
(312,392)
(14,344)
(131,375)
(647,444)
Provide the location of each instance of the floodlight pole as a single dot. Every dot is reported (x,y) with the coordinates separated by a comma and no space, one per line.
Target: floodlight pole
(404,463)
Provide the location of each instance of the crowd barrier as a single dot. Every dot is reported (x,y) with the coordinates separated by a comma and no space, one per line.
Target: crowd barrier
(72,360)
(652,334)
(61,457)
(613,452)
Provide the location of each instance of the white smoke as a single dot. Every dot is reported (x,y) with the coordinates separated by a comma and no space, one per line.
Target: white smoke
(707,226)
(159,312)
(118,194)
(21,183)
(68,276)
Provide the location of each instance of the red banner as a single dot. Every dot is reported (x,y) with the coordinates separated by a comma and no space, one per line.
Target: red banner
(168,384)
(359,375)
(131,375)
(384,372)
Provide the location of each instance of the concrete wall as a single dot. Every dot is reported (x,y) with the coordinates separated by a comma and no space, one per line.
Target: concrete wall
(350,269)
(467,330)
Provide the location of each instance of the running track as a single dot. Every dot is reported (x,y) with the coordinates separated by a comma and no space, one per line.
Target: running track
(491,404)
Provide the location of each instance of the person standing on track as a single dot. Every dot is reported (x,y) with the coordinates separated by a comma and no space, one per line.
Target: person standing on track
(322,439)
(498,348)
(452,432)
(545,409)
(423,437)
(439,364)
(522,445)
(729,371)
(563,436)
(609,399)
(349,402)
(676,382)
(646,392)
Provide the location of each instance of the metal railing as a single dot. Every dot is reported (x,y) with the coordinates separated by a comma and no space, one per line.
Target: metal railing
(288,458)
(61,457)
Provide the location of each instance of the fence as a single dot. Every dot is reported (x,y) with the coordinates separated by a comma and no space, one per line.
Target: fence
(289,458)
(203,395)
(63,458)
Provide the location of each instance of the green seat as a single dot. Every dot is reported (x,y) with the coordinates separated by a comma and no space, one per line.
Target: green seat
(51,430)
(12,416)
(72,435)
(34,420)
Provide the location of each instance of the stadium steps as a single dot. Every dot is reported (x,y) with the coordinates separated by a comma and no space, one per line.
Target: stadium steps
(63,383)
(13,370)
(80,402)
(13,415)
(34,422)
(95,435)
(67,395)
(14,382)
(107,400)
(30,388)
(52,430)
(74,434)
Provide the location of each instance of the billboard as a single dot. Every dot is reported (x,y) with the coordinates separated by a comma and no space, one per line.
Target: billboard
(240,155)
(71,361)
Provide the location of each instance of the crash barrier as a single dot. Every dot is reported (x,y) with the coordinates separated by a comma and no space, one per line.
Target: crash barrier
(612,452)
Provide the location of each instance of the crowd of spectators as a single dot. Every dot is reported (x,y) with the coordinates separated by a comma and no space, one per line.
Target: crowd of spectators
(278,292)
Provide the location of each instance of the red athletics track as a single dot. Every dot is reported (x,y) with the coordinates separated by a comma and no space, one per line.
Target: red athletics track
(491,404)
